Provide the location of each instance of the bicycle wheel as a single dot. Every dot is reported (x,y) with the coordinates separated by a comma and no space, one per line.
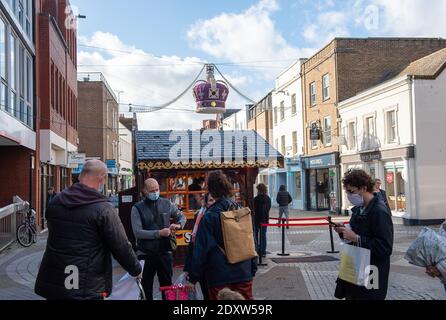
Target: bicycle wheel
(25,235)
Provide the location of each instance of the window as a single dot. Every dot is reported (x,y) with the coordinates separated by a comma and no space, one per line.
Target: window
(283,147)
(294,142)
(29,19)
(369,132)
(282,110)
(351,135)
(276,143)
(13,73)
(2,50)
(293,104)
(313,143)
(326,86)
(275,115)
(312,93)
(391,126)
(327,131)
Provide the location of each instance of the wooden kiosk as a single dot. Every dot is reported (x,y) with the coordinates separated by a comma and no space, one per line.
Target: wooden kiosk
(178,179)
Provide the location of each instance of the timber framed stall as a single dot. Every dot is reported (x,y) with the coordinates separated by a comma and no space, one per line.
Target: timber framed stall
(179,161)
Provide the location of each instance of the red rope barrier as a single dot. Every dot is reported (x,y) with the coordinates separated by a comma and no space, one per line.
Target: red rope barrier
(297,225)
(300,219)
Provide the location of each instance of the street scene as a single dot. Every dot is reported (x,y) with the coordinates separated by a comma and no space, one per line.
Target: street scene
(195,151)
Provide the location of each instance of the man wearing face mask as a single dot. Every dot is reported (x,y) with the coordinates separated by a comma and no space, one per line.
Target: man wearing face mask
(371,228)
(84,231)
(153,221)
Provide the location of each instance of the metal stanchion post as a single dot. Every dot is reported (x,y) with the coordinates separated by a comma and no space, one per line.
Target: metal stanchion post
(260,247)
(331,237)
(283,254)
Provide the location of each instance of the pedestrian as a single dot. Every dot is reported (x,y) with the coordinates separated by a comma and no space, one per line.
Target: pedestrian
(209,258)
(154,221)
(208,201)
(84,231)
(381,193)
(262,206)
(51,195)
(372,228)
(284,199)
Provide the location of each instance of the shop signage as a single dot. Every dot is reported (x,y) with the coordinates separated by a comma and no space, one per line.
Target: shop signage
(127,199)
(389,177)
(76,158)
(371,156)
(320,161)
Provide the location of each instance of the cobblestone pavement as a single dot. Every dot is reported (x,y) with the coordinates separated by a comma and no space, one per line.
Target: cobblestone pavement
(288,281)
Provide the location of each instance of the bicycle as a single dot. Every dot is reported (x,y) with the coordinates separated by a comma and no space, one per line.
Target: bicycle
(27,231)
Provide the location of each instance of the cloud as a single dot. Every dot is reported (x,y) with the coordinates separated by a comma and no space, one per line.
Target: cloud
(412,18)
(328,25)
(247,36)
(147,79)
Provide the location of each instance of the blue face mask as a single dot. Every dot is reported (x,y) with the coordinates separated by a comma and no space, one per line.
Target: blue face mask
(153,196)
(356,199)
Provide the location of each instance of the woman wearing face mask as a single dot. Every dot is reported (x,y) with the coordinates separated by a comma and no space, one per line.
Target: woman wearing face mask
(208,201)
(371,228)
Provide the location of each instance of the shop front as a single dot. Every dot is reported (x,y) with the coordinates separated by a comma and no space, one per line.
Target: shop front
(323,183)
(392,167)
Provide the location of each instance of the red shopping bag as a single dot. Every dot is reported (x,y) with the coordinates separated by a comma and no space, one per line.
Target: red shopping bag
(175,292)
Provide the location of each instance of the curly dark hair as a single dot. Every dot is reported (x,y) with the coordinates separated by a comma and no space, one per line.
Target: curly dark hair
(261,187)
(358,178)
(218,184)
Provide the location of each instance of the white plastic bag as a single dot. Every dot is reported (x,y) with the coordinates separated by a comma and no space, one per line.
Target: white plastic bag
(429,249)
(354,264)
(126,288)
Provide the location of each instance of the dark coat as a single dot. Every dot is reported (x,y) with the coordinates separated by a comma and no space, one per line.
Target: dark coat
(383,195)
(375,227)
(84,230)
(262,206)
(283,198)
(209,260)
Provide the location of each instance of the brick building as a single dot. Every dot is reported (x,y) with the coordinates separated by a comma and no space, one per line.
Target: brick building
(342,69)
(99,121)
(17,101)
(56,66)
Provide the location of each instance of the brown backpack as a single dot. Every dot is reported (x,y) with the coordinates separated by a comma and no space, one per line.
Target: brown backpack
(238,235)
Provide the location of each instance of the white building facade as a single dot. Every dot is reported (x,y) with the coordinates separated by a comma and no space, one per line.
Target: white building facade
(237,120)
(395,132)
(126,175)
(288,134)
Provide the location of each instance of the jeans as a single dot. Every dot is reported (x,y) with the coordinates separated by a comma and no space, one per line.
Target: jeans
(260,242)
(284,213)
(160,265)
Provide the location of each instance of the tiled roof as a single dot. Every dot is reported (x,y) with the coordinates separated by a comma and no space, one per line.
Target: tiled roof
(157,145)
(427,67)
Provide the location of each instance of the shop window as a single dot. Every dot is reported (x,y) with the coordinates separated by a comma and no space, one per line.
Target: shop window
(298,186)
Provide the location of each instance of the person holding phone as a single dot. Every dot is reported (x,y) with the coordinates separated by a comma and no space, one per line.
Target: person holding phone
(371,227)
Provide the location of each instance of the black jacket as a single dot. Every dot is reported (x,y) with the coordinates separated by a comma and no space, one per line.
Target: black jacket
(283,198)
(383,196)
(84,231)
(262,206)
(375,227)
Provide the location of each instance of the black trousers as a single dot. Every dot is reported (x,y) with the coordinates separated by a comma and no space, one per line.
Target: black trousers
(160,265)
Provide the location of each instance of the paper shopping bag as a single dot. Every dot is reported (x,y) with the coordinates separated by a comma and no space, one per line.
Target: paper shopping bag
(354,264)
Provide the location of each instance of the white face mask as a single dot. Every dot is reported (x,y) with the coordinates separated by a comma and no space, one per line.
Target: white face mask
(356,199)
